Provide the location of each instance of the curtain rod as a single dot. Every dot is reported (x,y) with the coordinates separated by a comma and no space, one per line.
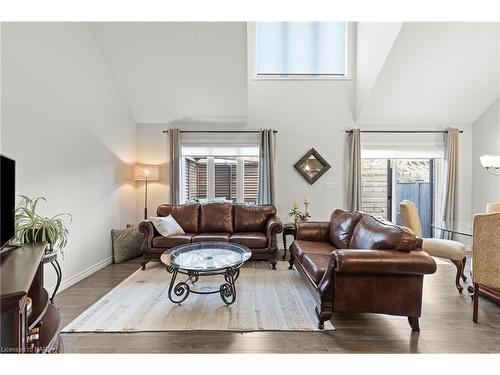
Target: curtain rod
(404,131)
(220,131)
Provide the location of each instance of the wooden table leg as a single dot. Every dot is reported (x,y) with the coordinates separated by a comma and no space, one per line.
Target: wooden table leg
(284,244)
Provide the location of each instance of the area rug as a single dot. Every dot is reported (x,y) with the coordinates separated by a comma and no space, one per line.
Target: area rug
(266,300)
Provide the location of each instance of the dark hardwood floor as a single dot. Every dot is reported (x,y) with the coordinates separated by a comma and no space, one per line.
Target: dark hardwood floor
(446,326)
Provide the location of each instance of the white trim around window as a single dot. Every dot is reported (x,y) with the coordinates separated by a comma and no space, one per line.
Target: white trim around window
(351,44)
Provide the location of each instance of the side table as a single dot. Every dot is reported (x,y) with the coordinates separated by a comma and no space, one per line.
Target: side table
(52,259)
(288,229)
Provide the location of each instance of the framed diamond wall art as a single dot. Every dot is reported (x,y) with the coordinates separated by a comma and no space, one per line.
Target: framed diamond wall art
(312,166)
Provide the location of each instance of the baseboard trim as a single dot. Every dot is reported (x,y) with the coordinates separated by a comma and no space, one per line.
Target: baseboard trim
(66,283)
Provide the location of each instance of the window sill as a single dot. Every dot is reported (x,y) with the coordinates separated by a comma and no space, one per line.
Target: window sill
(301,78)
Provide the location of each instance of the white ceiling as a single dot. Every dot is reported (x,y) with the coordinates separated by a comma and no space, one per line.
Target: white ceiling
(436,73)
(429,73)
(171,70)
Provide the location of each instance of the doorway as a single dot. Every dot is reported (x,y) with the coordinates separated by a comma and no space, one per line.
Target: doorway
(386,182)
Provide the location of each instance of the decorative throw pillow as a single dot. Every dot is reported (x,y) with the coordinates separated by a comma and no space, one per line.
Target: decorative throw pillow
(127,243)
(166,225)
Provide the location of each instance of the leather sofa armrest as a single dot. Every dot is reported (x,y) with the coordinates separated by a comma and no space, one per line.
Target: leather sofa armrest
(149,230)
(383,262)
(313,231)
(273,227)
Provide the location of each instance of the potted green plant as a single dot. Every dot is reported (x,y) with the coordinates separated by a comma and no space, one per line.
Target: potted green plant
(32,227)
(299,215)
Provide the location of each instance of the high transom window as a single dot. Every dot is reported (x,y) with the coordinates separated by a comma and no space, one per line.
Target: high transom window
(294,49)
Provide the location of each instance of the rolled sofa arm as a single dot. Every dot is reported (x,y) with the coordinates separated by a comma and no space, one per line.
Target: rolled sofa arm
(148,229)
(273,227)
(383,261)
(313,231)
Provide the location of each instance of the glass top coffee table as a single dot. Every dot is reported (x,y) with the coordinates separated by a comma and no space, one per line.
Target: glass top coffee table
(205,259)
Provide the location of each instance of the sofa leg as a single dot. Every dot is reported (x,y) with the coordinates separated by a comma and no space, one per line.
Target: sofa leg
(273,264)
(290,261)
(459,265)
(415,327)
(323,315)
(143,264)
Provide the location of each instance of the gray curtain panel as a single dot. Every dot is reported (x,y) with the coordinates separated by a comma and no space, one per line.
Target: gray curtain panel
(174,164)
(450,180)
(267,167)
(354,175)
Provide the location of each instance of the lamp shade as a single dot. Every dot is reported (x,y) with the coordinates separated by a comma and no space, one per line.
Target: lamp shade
(491,163)
(148,172)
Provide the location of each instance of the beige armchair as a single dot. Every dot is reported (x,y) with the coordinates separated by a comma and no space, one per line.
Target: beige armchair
(447,249)
(486,255)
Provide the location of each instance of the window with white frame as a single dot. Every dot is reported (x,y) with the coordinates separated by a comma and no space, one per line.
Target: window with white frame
(222,169)
(295,49)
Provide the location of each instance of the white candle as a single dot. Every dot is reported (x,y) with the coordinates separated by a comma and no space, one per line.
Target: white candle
(307,200)
(295,204)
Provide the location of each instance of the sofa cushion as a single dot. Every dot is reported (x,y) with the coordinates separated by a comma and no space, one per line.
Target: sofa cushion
(216,217)
(211,237)
(166,225)
(252,218)
(342,224)
(250,239)
(185,214)
(373,233)
(172,241)
(299,248)
(444,248)
(315,265)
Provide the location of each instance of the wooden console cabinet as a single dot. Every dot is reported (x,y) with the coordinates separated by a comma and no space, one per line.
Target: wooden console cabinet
(23,330)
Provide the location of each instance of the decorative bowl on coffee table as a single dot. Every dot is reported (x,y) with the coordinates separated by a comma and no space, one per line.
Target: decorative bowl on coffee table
(205,259)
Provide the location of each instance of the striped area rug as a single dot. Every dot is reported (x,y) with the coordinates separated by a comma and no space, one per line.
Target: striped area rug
(266,301)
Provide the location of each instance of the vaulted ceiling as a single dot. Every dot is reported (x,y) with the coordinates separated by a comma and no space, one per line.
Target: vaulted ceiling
(434,73)
(169,70)
(430,73)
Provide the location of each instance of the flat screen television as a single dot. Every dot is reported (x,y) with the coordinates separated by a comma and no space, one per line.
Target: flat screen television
(7,199)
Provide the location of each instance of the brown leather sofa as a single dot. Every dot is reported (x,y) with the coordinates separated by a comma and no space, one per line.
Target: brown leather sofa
(360,263)
(249,225)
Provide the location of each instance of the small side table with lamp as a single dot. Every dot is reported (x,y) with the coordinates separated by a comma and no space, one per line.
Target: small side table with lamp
(146,172)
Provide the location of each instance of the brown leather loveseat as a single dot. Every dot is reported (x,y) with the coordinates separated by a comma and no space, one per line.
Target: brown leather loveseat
(361,263)
(249,225)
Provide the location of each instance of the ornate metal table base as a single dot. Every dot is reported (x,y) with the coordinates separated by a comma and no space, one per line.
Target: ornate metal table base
(180,291)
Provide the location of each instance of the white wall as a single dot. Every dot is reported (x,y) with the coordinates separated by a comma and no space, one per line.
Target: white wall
(152,149)
(374,41)
(485,141)
(191,73)
(72,136)
(168,70)
(436,72)
(307,114)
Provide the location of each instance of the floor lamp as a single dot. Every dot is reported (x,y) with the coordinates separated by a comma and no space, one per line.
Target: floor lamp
(146,172)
